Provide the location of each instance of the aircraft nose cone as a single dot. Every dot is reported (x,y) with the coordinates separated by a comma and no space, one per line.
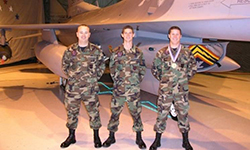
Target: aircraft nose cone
(227,64)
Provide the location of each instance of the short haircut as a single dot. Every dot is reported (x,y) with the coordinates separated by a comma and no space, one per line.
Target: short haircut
(82,25)
(127,27)
(174,27)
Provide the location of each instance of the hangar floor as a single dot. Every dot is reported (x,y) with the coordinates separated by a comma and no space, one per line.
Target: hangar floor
(32,114)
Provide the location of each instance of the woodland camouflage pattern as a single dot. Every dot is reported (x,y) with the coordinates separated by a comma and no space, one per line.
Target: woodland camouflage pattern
(84,67)
(127,69)
(173,86)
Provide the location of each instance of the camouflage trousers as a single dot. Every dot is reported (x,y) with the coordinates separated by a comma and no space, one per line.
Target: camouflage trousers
(181,105)
(72,105)
(134,106)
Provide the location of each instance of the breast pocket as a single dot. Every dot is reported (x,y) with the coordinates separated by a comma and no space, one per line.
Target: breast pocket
(184,64)
(119,64)
(91,64)
(135,66)
(75,67)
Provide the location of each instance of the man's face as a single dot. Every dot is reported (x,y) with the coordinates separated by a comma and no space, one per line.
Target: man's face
(175,36)
(128,35)
(83,34)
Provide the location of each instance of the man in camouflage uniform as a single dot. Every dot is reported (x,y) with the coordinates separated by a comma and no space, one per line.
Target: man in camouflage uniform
(174,65)
(127,69)
(83,63)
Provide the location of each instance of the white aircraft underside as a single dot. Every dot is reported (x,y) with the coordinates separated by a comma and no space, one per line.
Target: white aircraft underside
(151,19)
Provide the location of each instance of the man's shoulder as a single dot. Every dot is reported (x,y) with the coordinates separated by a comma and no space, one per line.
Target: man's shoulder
(137,49)
(185,49)
(72,47)
(117,49)
(94,46)
(163,50)
(94,49)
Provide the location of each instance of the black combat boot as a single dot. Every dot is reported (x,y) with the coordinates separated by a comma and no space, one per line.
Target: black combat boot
(97,140)
(185,143)
(70,139)
(157,142)
(110,140)
(139,141)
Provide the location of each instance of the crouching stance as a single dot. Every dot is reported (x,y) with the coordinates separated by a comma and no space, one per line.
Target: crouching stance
(83,63)
(127,69)
(174,65)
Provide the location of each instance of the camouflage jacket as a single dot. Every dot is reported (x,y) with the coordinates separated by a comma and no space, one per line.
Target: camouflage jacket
(85,66)
(174,78)
(127,69)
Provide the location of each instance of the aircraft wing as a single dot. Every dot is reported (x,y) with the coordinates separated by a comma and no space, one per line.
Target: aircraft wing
(41,26)
(198,19)
(216,19)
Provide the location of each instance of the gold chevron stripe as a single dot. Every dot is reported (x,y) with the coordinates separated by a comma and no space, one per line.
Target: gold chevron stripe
(204,54)
(203,59)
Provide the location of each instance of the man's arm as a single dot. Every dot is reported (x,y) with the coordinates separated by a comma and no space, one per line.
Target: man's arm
(66,62)
(112,66)
(192,66)
(100,65)
(142,70)
(156,67)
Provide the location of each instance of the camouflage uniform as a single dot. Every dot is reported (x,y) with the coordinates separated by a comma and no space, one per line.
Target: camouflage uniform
(173,86)
(127,69)
(83,66)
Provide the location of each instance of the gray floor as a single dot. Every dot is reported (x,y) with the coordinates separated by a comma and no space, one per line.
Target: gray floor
(32,114)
